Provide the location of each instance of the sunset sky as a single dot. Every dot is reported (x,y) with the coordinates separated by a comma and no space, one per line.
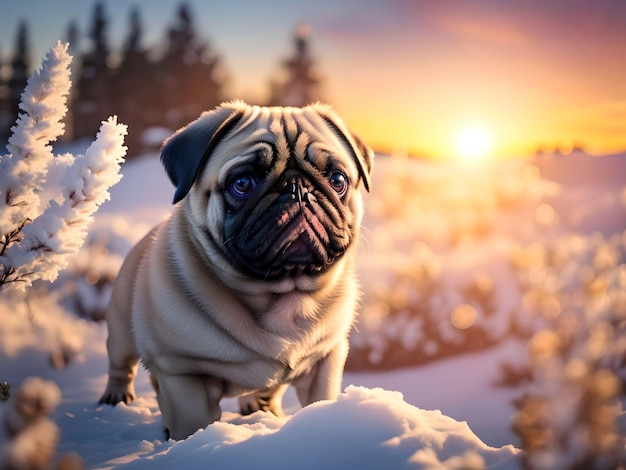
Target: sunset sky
(407,75)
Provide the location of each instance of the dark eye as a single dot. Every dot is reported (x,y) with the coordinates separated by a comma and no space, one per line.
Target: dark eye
(338,182)
(241,186)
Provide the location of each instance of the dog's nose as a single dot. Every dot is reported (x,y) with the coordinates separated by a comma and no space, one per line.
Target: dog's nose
(296,190)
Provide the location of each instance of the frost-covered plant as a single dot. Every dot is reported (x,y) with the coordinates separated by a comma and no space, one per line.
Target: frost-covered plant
(569,415)
(391,324)
(421,305)
(36,242)
(30,438)
(86,285)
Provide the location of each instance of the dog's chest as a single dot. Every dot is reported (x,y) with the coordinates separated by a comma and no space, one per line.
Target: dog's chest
(290,316)
(311,328)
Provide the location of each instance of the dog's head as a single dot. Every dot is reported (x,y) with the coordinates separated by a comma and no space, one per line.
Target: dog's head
(273,191)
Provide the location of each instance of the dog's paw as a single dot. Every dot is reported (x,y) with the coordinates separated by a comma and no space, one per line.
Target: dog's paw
(117,392)
(249,404)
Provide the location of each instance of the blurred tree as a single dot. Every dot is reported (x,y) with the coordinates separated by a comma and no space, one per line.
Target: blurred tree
(5,120)
(301,84)
(72,37)
(135,92)
(19,76)
(93,89)
(189,69)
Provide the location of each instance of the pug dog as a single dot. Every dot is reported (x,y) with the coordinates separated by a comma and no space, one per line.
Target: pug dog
(250,285)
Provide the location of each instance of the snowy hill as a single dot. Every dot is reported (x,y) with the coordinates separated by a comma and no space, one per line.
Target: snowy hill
(600,209)
(580,168)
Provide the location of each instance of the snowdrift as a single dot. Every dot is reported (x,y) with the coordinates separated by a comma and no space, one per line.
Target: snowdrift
(364,428)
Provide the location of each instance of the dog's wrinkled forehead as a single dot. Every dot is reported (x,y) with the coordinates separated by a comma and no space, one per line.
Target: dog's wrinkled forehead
(236,132)
(270,137)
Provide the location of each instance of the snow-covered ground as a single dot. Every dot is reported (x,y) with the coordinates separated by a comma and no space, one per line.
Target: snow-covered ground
(436,237)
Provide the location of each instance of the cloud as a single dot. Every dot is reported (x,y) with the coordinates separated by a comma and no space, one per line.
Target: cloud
(484,30)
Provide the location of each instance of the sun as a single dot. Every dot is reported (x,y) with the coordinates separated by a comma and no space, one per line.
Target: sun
(473,143)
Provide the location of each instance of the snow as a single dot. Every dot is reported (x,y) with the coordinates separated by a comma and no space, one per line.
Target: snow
(462,387)
(376,429)
(457,230)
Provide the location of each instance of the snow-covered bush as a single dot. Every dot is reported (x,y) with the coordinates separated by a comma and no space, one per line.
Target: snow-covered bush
(30,437)
(575,300)
(43,220)
(85,287)
(441,284)
(39,236)
(39,233)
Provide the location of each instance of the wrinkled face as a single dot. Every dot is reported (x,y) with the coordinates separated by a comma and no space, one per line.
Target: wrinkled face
(280,195)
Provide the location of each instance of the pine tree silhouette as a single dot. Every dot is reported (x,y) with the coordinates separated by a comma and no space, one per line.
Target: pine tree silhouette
(72,37)
(301,85)
(5,118)
(20,70)
(93,90)
(135,92)
(189,71)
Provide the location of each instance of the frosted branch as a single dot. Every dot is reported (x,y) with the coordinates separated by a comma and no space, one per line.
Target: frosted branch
(37,244)
(24,168)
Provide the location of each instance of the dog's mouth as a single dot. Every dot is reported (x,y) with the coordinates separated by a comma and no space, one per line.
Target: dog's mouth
(300,249)
(298,259)
(300,245)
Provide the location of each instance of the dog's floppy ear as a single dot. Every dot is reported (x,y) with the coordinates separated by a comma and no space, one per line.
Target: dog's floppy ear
(185,153)
(362,154)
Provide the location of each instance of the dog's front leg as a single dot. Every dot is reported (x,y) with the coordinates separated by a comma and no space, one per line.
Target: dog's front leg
(121,346)
(123,357)
(187,402)
(323,380)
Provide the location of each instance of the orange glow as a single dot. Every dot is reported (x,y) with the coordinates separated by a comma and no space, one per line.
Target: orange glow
(473,143)
(536,84)
(522,125)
